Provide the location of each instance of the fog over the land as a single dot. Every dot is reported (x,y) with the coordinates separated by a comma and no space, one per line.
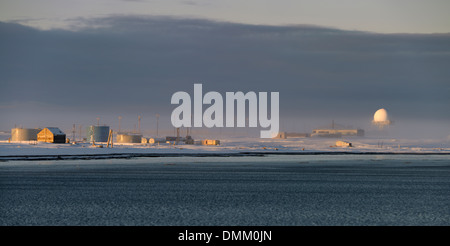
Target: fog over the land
(130,65)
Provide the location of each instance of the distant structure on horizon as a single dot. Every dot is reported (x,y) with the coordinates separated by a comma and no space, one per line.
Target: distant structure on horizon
(284,135)
(381,118)
(336,131)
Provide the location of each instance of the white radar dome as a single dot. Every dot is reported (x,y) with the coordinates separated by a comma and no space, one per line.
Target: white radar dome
(381,115)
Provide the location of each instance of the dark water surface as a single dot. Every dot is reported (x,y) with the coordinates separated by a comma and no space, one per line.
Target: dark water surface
(272,190)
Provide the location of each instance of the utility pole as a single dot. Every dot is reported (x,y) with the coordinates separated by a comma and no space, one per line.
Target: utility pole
(73,133)
(192,120)
(157,121)
(139,124)
(98,121)
(79,132)
(110,139)
(120,118)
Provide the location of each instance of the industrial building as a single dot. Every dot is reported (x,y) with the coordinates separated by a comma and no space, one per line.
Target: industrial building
(284,135)
(336,131)
(97,133)
(297,135)
(156,140)
(51,135)
(129,138)
(24,134)
(187,140)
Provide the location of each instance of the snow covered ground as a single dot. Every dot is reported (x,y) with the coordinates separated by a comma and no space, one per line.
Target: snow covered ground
(231,146)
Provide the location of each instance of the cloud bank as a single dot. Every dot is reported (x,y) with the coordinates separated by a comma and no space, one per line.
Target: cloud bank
(134,64)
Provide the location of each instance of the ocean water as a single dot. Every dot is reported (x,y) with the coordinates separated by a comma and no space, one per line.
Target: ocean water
(229,191)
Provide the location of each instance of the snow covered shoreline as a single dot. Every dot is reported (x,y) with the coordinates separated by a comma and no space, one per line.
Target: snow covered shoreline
(229,147)
(242,154)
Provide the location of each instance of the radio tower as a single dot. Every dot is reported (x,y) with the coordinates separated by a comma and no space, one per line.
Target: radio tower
(139,124)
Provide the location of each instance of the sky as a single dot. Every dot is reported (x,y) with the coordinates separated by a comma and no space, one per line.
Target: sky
(385,16)
(69,62)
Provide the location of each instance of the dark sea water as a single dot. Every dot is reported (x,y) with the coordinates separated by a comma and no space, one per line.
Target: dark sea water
(229,191)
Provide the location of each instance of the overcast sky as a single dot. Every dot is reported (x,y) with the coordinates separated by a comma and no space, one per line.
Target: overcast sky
(103,65)
(386,16)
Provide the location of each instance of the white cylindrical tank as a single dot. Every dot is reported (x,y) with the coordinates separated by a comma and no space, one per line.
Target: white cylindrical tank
(24,134)
(97,133)
(129,138)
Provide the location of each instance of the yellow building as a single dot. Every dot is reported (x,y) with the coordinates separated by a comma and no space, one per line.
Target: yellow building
(210,142)
(343,144)
(51,135)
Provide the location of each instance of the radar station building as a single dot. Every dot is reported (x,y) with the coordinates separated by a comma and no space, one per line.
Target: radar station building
(381,118)
(336,131)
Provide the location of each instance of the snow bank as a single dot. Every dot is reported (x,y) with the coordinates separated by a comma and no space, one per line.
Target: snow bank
(231,146)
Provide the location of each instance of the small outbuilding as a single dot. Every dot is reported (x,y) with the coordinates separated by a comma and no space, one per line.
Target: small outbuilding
(280,135)
(343,144)
(51,135)
(210,142)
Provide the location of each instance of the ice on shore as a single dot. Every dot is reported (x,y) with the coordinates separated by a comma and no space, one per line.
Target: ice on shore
(233,145)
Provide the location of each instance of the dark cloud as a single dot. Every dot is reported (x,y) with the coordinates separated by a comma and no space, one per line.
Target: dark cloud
(137,63)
